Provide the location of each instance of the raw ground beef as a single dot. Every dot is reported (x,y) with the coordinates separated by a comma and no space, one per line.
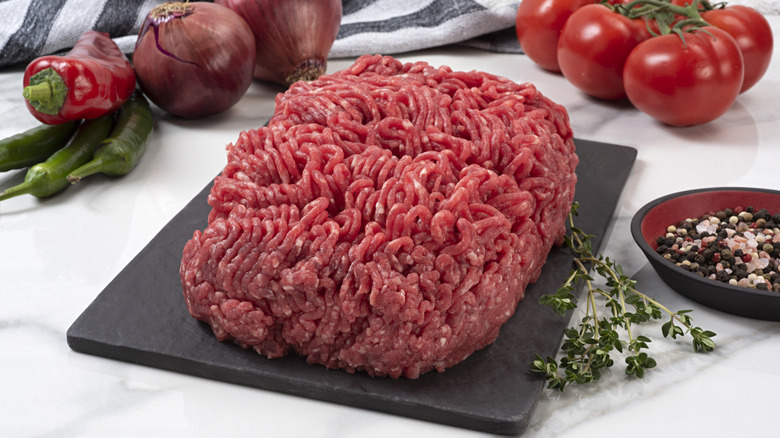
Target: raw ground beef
(387,219)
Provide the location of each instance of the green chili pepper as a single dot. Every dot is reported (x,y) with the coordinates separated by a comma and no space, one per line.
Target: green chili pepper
(47,178)
(34,145)
(119,154)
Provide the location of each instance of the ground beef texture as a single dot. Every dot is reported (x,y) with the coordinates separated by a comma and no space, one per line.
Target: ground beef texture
(386,220)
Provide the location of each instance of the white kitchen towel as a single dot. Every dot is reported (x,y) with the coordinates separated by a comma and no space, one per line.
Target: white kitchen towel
(395,26)
(31,28)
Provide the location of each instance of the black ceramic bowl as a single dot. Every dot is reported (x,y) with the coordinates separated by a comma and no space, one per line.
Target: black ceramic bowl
(651,221)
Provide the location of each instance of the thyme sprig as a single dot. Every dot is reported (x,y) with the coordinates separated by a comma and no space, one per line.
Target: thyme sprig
(588,348)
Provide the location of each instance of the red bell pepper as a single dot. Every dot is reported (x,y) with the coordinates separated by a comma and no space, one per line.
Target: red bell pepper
(93,79)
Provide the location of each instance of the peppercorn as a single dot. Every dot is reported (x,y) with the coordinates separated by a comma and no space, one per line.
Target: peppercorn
(723,276)
(715,257)
(688,248)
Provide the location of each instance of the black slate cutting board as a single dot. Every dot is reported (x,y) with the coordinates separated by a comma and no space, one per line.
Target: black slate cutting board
(140,317)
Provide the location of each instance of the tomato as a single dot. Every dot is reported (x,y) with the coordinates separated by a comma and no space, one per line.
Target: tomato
(593,48)
(683,85)
(538,24)
(753,34)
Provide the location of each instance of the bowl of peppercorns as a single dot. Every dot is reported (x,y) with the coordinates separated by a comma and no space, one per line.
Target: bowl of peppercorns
(717,246)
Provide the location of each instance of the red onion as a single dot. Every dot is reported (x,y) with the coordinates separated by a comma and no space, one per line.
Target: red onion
(194,60)
(293,37)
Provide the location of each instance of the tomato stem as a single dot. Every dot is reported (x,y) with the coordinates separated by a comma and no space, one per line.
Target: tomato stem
(634,9)
(667,15)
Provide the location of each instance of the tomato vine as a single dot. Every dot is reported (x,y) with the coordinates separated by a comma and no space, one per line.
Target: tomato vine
(712,52)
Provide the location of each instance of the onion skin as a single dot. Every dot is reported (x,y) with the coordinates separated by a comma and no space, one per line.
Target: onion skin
(195,64)
(293,37)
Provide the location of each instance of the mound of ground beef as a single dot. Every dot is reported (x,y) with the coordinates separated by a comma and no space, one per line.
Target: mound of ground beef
(386,220)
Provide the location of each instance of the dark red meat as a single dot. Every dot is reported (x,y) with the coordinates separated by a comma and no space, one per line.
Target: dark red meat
(388,219)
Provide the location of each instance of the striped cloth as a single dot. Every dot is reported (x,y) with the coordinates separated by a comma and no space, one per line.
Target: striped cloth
(31,28)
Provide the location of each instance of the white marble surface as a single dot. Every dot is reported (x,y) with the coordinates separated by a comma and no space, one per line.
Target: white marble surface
(56,255)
